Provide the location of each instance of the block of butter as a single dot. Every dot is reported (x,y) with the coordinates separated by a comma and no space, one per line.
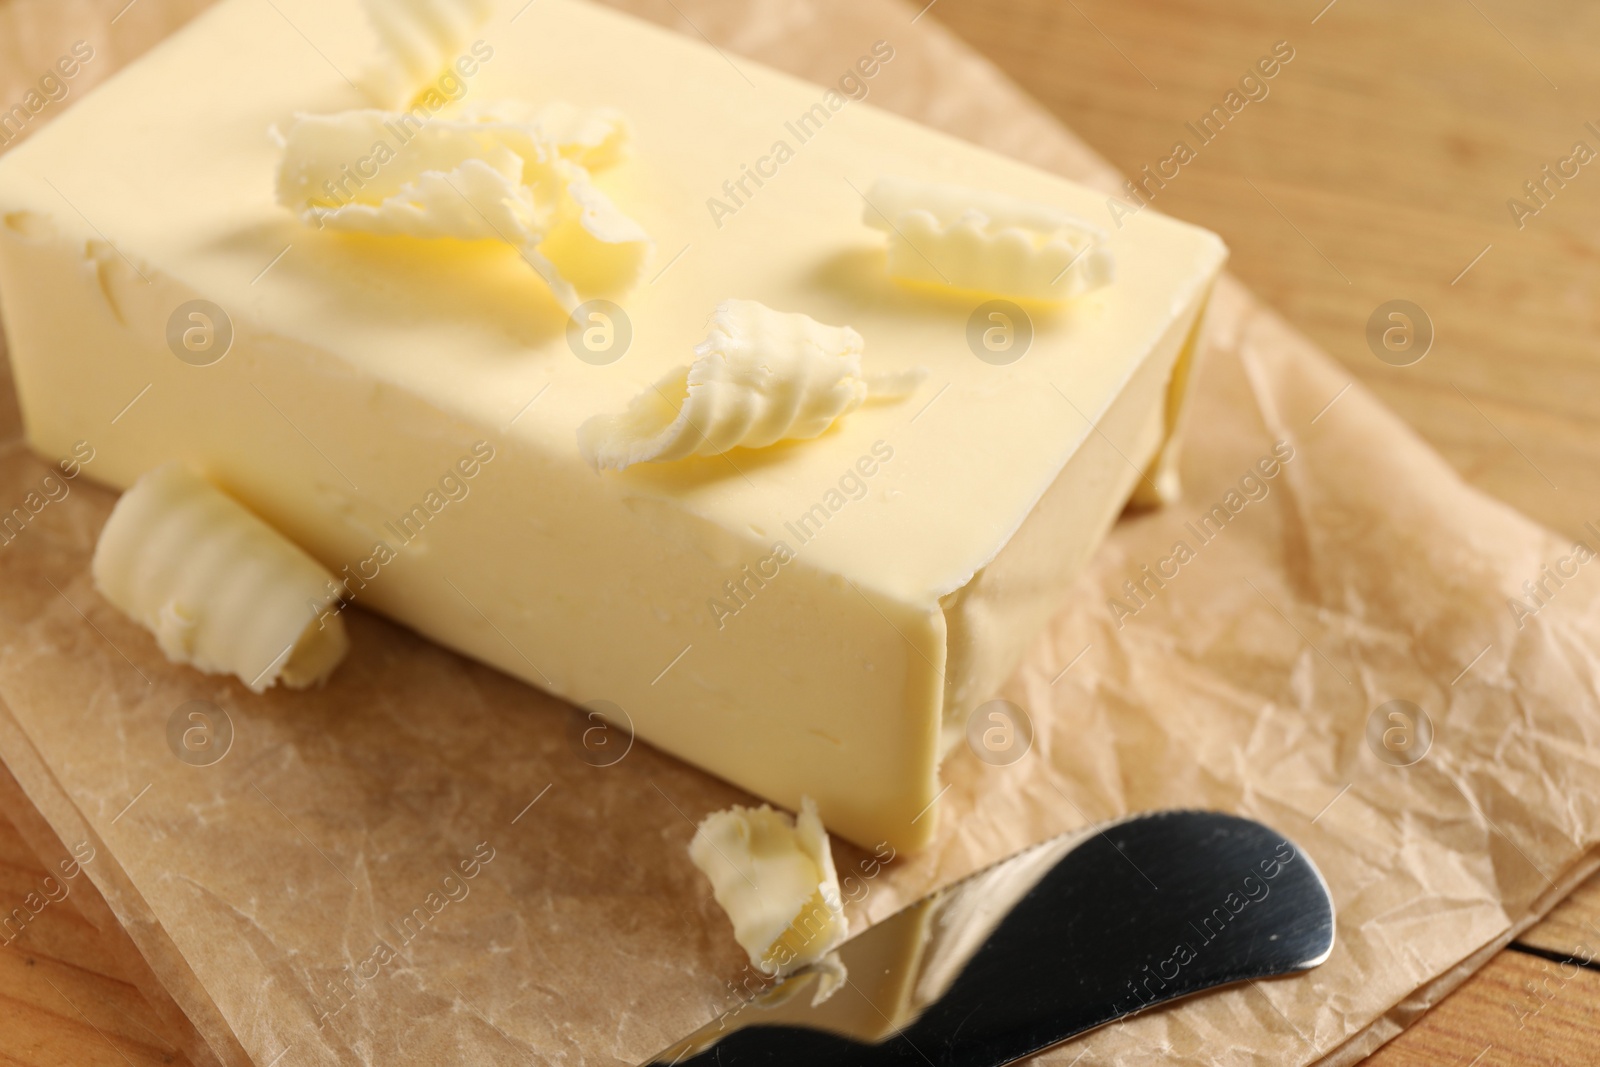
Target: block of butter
(813,618)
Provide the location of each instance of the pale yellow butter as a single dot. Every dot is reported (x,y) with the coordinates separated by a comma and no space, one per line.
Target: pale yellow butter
(421,38)
(220,589)
(762,376)
(506,173)
(774,876)
(819,621)
(987,242)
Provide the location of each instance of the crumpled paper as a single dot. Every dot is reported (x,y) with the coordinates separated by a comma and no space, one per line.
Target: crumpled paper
(420,863)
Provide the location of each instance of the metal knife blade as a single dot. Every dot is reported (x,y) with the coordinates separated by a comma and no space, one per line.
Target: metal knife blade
(1069,935)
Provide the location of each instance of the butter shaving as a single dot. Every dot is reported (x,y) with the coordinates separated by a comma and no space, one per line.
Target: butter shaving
(986,242)
(592,137)
(774,876)
(220,589)
(421,39)
(505,172)
(761,376)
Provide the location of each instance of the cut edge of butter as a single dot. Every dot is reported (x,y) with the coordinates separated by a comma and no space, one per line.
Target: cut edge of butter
(219,589)
(774,876)
(761,376)
(983,241)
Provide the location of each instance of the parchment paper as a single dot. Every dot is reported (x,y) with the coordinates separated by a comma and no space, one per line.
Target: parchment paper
(1368,573)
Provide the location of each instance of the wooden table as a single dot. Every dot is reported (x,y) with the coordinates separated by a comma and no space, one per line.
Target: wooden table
(1378,167)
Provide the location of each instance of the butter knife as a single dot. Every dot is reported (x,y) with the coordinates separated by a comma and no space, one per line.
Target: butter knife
(1069,935)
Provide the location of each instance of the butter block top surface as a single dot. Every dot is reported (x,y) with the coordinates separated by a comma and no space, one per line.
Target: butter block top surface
(172,162)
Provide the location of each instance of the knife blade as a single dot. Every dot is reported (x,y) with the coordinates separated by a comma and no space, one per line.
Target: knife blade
(1066,936)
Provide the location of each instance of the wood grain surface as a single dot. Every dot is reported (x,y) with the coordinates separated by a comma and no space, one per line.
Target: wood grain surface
(63,1002)
(1378,167)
